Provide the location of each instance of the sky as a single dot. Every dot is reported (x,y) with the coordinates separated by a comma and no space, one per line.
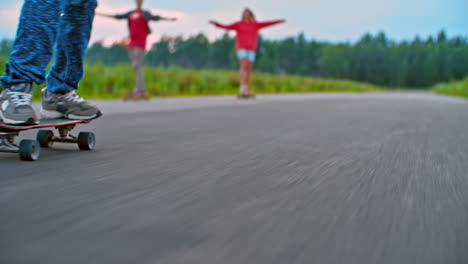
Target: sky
(325,20)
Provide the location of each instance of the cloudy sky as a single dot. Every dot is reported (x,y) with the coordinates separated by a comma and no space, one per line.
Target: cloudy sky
(331,20)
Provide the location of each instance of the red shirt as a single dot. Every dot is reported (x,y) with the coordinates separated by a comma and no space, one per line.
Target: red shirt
(139,30)
(247,32)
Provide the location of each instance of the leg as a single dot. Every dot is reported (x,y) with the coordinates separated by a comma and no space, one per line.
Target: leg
(35,39)
(243,72)
(59,99)
(72,42)
(32,51)
(139,70)
(137,56)
(249,68)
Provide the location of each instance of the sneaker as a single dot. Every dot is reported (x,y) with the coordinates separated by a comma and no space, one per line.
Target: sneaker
(15,105)
(68,105)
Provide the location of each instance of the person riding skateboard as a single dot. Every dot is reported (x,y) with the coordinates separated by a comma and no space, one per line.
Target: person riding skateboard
(246,44)
(138,20)
(43,25)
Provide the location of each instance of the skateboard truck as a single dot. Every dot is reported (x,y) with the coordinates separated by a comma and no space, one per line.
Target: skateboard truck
(85,140)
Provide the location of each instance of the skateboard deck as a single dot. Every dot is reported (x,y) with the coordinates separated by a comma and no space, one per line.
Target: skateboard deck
(30,150)
(246,96)
(44,123)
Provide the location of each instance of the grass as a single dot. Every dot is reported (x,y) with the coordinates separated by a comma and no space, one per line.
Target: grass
(458,88)
(114,82)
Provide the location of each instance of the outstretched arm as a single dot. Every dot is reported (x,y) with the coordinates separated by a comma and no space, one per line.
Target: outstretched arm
(228,27)
(104,15)
(119,16)
(168,18)
(270,23)
(160,18)
(151,17)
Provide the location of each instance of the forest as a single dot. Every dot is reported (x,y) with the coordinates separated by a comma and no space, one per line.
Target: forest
(375,59)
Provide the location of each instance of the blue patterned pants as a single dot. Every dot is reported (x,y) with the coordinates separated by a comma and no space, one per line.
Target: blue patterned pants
(47,26)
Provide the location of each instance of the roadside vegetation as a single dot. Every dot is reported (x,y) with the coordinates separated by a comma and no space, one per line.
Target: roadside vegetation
(457,88)
(115,81)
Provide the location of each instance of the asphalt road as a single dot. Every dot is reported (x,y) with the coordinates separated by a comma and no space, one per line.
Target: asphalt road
(329,178)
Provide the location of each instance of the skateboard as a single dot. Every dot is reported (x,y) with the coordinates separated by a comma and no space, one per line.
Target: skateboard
(136,97)
(30,150)
(246,96)
(133,98)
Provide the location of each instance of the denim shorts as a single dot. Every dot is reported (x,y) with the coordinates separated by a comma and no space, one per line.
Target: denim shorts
(247,54)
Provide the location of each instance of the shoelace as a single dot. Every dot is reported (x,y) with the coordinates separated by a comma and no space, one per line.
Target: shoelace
(20,98)
(73,97)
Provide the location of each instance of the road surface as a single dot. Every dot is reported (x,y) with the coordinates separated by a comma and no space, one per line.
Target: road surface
(326,178)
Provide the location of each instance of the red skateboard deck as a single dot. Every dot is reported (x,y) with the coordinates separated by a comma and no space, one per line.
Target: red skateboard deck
(7,128)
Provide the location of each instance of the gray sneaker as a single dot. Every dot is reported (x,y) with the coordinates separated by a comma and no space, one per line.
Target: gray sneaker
(68,105)
(15,105)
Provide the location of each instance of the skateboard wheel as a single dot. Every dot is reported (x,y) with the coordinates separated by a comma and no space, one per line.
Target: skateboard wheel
(29,150)
(45,138)
(86,141)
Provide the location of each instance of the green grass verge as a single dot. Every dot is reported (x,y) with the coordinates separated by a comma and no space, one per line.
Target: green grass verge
(114,82)
(458,88)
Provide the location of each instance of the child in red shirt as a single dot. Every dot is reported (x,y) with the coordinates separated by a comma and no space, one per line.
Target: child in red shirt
(246,44)
(139,30)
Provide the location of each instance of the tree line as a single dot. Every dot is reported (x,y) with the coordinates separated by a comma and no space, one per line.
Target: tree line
(374,58)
